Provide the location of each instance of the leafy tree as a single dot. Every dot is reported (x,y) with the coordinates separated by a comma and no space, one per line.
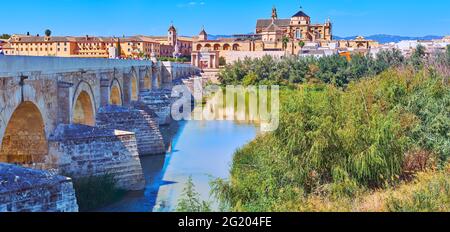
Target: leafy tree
(222,61)
(388,58)
(336,70)
(447,52)
(285,41)
(418,56)
(5,36)
(48,32)
(190,201)
(333,69)
(301,44)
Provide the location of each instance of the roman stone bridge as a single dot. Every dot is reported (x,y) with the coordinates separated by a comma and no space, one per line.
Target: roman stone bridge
(80,117)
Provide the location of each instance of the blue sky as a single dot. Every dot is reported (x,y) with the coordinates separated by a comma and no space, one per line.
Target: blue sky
(148,17)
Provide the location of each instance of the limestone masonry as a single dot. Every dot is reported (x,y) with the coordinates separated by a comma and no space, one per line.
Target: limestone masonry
(78,117)
(26,190)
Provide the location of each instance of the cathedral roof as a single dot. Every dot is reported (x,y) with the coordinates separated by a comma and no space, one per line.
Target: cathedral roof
(300,14)
(264,23)
(272,27)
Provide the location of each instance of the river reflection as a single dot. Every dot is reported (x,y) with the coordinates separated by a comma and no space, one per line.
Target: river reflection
(201,149)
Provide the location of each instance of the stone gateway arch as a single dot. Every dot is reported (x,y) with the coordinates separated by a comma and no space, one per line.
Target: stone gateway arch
(81,117)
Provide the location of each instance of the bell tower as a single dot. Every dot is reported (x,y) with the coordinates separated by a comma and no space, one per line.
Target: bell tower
(203,36)
(172,35)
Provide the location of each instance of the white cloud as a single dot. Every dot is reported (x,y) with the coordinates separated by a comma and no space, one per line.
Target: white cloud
(191,4)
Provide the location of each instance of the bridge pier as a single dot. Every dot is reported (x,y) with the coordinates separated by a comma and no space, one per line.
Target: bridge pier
(138,119)
(84,151)
(96,116)
(28,190)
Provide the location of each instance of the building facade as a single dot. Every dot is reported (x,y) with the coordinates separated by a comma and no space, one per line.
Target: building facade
(173,44)
(274,36)
(139,46)
(87,47)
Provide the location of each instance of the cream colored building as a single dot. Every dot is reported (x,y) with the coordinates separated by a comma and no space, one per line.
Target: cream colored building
(139,46)
(173,43)
(275,35)
(93,47)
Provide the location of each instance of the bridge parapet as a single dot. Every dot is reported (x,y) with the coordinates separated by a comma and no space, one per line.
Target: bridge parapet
(41,97)
(10,65)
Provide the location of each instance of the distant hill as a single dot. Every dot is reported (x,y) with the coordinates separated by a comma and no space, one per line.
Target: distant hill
(214,37)
(381,38)
(391,38)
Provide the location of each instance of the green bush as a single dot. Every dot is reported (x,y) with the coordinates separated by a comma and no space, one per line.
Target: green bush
(190,200)
(339,142)
(96,191)
(334,70)
(429,193)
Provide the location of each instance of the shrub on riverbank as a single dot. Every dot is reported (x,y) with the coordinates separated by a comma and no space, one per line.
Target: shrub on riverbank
(335,148)
(334,70)
(190,200)
(96,191)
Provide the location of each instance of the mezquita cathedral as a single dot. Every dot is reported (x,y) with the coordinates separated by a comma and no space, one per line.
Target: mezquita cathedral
(273,36)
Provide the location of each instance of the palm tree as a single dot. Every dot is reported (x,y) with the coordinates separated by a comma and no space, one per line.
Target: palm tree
(285,42)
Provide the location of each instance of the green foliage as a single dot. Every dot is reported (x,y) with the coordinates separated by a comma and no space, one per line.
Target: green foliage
(339,143)
(173,59)
(430,103)
(447,53)
(190,200)
(249,79)
(417,58)
(429,193)
(96,191)
(5,36)
(291,70)
(301,43)
(222,61)
(388,58)
(285,41)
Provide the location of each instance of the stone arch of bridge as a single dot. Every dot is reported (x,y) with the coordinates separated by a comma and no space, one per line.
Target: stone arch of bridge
(115,95)
(148,79)
(134,86)
(83,108)
(24,141)
(156,79)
